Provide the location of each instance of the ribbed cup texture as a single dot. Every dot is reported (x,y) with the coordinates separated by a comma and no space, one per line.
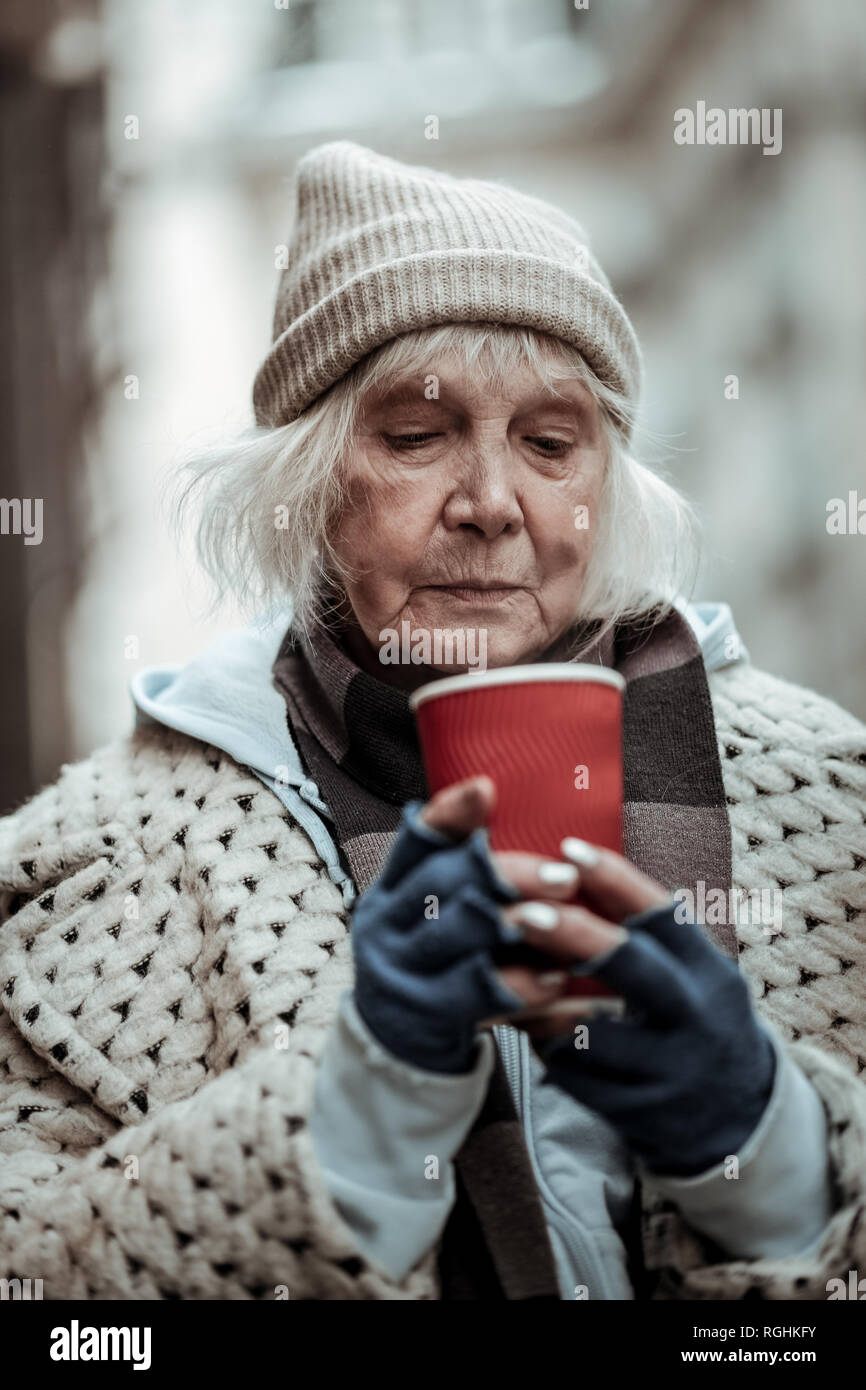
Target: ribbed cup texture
(380,248)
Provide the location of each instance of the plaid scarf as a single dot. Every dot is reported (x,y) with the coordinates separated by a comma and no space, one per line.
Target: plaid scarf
(357,738)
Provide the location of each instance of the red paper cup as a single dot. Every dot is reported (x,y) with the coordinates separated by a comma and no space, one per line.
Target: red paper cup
(550,737)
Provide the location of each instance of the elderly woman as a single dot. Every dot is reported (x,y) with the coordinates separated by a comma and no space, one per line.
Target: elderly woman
(241,1057)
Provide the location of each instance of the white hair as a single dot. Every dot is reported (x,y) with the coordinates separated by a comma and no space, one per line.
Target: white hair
(269,499)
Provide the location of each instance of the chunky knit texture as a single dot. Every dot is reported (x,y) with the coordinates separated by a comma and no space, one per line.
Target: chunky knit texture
(380,248)
(171,958)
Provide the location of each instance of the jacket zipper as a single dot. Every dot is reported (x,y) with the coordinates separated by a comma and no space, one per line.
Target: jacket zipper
(514,1049)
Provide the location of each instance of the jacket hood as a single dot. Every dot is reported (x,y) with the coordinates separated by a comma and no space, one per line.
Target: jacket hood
(715,629)
(225,696)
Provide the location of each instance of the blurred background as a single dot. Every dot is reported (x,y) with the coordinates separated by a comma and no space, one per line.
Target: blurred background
(147,158)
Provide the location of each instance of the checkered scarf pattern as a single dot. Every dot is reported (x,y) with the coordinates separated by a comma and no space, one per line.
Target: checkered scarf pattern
(357,738)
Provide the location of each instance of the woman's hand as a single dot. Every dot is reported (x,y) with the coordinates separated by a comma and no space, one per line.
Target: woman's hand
(687,1073)
(425,933)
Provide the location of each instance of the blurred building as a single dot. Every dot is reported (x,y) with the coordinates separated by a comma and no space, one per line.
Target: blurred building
(53,378)
(732,263)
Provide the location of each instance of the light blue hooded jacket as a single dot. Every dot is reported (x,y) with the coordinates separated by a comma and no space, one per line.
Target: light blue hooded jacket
(373,1115)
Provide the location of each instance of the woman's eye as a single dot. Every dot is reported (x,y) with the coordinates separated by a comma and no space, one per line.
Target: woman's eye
(409,441)
(553,447)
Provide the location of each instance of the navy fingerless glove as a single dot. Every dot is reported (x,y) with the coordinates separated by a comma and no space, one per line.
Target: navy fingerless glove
(422,935)
(687,1073)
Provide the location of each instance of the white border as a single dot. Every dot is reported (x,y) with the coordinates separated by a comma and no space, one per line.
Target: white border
(514,675)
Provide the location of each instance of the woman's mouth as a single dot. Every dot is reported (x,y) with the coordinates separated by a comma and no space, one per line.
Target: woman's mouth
(489,595)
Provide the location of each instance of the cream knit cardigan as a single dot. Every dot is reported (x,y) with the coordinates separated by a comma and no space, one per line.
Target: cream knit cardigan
(172,954)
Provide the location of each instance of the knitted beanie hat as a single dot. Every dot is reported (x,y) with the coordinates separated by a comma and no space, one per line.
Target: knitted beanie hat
(380,248)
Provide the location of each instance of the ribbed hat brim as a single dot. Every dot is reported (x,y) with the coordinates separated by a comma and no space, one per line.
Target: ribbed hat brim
(354,308)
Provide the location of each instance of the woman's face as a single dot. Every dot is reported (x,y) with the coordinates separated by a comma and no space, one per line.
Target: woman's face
(472,512)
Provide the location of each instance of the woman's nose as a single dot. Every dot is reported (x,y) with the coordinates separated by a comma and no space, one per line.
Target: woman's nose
(484,498)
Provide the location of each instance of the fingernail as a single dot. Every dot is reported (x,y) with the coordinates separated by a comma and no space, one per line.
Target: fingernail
(538,915)
(475,784)
(462,794)
(552,979)
(580,852)
(587,1008)
(554,872)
